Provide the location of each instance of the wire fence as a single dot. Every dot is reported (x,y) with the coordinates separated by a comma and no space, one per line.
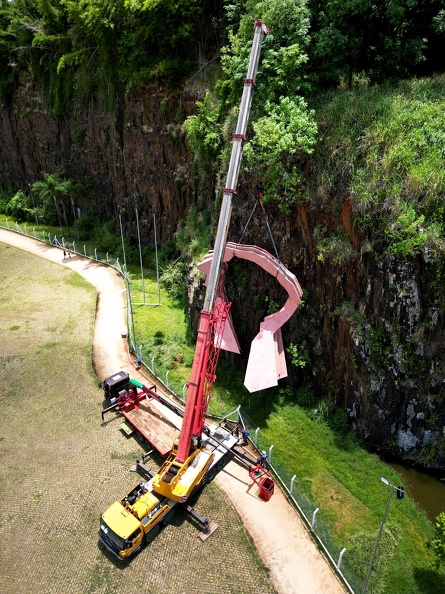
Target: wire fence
(304,505)
(292,485)
(78,248)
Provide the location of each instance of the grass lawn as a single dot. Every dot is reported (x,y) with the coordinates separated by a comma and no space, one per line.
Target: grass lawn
(60,469)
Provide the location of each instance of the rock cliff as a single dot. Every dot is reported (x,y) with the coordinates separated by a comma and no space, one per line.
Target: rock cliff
(134,155)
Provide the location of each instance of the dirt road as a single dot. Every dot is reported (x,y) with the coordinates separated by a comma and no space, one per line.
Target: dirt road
(294,564)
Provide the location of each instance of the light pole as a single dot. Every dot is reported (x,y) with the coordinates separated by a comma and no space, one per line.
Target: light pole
(400,493)
(34,206)
(140,253)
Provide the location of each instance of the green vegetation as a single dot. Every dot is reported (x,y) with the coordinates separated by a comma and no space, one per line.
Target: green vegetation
(92,47)
(77,49)
(437,544)
(383,149)
(361,40)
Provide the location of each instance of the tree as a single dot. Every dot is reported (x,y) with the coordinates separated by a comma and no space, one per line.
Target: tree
(437,544)
(372,40)
(19,207)
(282,138)
(52,189)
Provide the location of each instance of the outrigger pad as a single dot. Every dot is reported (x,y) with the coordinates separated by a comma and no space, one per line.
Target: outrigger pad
(204,534)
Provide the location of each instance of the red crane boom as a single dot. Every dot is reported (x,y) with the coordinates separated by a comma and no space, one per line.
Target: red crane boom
(214,314)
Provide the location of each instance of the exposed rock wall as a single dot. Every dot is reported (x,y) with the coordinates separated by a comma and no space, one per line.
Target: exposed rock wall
(372,328)
(134,155)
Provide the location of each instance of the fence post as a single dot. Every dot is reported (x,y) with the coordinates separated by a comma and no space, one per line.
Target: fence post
(270,454)
(34,231)
(166,378)
(84,250)
(107,259)
(313,518)
(63,242)
(256,436)
(26,233)
(7,224)
(49,238)
(183,391)
(292,483)
(153,365)
(342,552)
(74,247)
(95,253)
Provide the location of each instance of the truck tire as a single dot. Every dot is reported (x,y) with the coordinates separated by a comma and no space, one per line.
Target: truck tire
(222,463)
(210,475)
(152,534)
(168,517)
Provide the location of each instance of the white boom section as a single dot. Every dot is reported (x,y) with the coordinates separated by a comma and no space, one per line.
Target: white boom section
(235,161)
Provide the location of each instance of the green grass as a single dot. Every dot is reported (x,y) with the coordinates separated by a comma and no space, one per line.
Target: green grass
(385,147)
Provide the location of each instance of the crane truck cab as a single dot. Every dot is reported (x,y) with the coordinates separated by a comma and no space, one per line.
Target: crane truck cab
(135,520)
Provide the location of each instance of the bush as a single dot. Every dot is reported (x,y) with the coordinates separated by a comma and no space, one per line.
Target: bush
(18,207)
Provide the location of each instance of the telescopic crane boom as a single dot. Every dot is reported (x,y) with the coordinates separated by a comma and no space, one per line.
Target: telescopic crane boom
(198,455)
(213,316)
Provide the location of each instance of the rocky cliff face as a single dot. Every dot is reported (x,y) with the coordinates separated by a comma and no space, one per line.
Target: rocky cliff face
(371,329)
(135,155)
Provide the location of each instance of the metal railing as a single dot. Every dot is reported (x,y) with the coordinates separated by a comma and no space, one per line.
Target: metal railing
(79,248)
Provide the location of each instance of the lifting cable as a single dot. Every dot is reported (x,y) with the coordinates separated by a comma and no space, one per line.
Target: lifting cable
(260,192)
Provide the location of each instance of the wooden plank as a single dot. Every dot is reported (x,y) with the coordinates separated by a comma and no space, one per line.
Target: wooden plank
(127,429)
(158,430)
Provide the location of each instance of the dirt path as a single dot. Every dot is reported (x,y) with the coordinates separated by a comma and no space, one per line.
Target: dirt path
(294,564)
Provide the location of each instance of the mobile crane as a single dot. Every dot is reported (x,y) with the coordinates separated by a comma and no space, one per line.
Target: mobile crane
(201,450)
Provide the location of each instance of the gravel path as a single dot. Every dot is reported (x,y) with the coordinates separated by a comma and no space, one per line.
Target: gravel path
(284,545)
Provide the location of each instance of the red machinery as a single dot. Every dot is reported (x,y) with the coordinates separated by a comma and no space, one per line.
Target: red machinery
(264,480)
(201,451)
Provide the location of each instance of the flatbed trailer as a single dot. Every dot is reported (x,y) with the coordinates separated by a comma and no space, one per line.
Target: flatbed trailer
(157,419)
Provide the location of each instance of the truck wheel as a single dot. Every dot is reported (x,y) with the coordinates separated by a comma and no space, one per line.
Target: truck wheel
(210,475)
(169,517)
(152,534)
(222,463)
